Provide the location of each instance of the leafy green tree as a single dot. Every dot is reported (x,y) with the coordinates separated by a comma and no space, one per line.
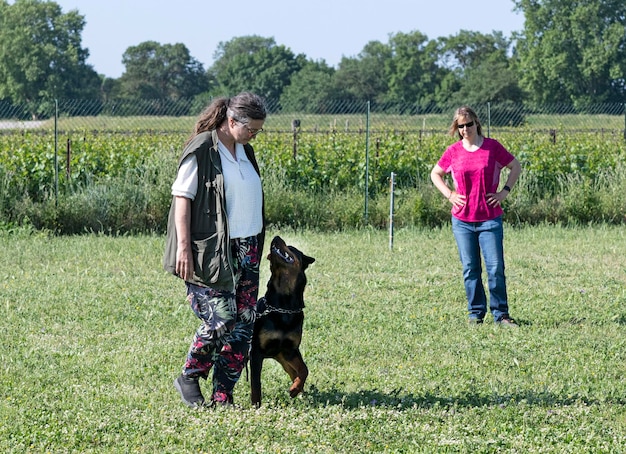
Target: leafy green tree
(482,67)
(445,92)
(413,70)
(110,88)
(365,78)
(227,51)
(161,71)
(41,57)
(311,90)
(468,49)
(573,51)
(253,63)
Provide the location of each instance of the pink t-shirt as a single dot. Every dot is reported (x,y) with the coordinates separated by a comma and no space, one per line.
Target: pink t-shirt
(476,174)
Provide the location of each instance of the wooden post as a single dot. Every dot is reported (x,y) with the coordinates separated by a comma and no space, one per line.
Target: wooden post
(295,127)
(68,157)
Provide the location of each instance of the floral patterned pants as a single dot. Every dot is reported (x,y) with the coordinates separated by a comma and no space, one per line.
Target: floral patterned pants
(223,339)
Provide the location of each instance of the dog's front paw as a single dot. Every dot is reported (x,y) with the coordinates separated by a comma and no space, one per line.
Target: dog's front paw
(296,388)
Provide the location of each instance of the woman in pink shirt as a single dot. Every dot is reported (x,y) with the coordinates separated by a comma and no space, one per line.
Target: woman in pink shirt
(475,163)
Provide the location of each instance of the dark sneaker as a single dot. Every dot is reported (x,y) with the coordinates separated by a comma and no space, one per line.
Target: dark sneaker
(475,321)
(189,389)
(507,322)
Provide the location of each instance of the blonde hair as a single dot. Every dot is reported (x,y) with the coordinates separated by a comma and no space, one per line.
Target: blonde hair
(464,111)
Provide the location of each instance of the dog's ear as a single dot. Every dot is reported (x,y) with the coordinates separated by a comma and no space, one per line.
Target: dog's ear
(306,261)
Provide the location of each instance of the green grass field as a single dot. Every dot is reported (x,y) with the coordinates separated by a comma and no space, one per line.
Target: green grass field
(94,332)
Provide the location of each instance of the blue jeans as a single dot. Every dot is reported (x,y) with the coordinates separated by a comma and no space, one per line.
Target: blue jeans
(472,238)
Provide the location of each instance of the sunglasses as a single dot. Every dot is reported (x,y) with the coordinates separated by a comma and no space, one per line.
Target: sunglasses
(466,125)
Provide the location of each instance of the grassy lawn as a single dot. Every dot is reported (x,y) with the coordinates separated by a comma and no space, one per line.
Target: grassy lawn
(94,332)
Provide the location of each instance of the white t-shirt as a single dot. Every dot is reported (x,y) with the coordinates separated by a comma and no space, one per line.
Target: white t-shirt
(244,197)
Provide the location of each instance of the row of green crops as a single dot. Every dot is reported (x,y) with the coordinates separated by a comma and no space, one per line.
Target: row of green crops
(28,160)
(341,160)
(332,160)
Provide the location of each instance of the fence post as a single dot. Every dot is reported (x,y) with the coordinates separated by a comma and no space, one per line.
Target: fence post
(68,159)
(553,135)
(295,125)
(489,119)
(56,149)
(367,158)
(624,121)
(392,184)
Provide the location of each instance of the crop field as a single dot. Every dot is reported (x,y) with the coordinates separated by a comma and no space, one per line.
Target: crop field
(117,179)
(324,159)
(94,332)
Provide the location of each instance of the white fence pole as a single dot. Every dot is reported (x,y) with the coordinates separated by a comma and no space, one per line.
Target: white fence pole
(392,183)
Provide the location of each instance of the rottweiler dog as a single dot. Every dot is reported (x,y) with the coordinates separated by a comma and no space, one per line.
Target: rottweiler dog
(278,326)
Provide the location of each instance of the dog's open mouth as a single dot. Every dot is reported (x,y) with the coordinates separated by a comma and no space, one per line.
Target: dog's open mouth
(282,254)
(280,250)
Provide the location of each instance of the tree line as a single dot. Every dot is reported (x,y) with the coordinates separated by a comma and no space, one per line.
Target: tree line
(568,52)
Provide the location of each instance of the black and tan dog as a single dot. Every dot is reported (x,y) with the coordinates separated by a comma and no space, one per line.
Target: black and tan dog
(278,327)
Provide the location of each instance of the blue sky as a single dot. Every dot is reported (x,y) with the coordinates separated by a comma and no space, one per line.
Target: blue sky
(321,29)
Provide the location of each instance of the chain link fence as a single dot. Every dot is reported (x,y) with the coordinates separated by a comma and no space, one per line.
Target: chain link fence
(163,116)
(60,148)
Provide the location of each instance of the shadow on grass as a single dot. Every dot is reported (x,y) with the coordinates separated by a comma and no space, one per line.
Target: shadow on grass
(396,399)
(620,320)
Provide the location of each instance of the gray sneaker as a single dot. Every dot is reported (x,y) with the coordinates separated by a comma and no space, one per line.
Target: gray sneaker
(189,389)
(507,322)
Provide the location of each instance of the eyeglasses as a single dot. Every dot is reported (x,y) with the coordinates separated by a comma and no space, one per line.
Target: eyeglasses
(252,132)
(466,125)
